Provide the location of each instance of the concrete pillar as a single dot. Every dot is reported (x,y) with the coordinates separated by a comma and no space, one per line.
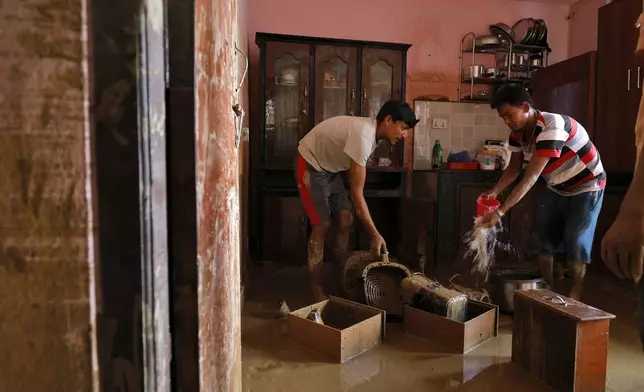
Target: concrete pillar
(218,255)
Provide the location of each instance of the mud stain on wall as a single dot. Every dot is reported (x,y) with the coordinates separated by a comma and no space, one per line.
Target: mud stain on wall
(217,197)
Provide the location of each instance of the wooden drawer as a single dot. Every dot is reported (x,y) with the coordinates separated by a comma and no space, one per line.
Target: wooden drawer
(482,324)
(560,341)
(349,328)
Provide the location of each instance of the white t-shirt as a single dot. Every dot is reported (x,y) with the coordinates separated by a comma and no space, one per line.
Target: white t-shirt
(332,144)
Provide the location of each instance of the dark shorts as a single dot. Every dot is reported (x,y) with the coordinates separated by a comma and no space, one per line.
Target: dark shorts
(327,195)
(565,224)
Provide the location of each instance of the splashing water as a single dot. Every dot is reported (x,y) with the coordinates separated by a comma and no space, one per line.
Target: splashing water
(482,244)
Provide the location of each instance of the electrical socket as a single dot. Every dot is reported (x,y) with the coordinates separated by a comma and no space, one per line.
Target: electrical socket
(439,123)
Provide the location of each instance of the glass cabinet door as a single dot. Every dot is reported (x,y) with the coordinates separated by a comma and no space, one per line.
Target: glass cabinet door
(286,106)
(336,70)
(381,81)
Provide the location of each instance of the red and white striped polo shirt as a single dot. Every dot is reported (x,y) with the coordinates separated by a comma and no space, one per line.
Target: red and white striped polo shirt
(575,166)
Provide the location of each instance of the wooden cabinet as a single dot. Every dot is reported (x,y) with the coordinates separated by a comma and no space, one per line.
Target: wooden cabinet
(619,84)
(286,90)
(284,229)
(336,81)
(568,87)
(560,341)
(452,195)
(380,68)
(303,81)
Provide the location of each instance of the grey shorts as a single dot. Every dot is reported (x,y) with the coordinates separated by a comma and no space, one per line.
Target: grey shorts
(325,197)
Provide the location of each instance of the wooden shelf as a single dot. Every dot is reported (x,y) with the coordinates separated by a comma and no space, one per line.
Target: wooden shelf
(493,81)
(492,49)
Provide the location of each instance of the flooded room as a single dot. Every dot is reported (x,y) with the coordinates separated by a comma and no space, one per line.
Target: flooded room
(283,196)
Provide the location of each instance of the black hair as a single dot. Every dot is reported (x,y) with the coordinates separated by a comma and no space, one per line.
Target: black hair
(512,94)
(399,111)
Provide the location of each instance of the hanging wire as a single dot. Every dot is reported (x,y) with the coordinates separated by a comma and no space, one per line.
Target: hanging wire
(241,82)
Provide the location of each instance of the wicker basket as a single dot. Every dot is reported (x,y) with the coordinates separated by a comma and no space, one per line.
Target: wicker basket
(352,282)
(382,286)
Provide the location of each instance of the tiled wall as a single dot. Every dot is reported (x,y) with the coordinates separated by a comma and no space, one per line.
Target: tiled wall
(468,126)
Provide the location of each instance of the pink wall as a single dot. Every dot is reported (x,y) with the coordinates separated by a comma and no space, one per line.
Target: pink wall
(582,36)
(433,27)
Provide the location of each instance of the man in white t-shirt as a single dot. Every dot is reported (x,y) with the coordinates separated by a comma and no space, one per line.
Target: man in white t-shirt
(336,145)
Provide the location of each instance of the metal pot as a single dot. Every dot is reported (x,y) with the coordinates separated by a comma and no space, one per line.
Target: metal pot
(474,71)
(505,282)
(535,62)
(486,40)
(517,59)
(490,71)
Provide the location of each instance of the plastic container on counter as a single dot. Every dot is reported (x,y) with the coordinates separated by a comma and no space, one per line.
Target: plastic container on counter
(487,159)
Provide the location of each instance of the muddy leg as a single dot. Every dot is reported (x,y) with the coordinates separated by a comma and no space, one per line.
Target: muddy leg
(315,259)
(578,271)
(559,271)
(345,222)
(546,264)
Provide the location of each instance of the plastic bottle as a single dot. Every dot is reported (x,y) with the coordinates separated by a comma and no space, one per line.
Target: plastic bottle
(437,156)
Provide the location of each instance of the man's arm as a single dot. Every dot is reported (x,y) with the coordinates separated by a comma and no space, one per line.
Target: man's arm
(510,174)
(530,177)
(357,175)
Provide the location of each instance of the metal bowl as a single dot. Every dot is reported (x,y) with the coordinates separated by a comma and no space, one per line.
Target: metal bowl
(505,282)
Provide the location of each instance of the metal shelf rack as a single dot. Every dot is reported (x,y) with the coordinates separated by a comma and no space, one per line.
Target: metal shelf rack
(508,70)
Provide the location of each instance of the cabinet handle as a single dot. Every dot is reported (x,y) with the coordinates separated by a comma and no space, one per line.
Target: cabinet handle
(306,99)
(638,77)
(365,101)
(628,79)
(353,101)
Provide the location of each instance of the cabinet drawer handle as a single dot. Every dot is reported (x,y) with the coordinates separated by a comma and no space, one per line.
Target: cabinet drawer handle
(306,99)
(365,101)
(353,102)
(628,79)
(638,77)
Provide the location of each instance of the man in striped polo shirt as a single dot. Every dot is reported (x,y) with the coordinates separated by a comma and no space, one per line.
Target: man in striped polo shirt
(558,149)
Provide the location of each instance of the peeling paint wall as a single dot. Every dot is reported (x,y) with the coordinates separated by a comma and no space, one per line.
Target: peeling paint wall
(46,254)
(218,192)
(244,151)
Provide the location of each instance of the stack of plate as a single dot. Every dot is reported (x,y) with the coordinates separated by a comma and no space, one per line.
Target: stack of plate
(526,31)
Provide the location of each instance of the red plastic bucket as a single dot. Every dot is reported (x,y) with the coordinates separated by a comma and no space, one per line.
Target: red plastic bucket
(484,206)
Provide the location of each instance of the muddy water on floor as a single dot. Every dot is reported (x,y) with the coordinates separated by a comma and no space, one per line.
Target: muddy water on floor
(272,363)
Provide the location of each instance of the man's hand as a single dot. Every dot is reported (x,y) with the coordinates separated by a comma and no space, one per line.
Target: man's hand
(306,179)
(488,220)
(378,246)
(490,194)
(623,246)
